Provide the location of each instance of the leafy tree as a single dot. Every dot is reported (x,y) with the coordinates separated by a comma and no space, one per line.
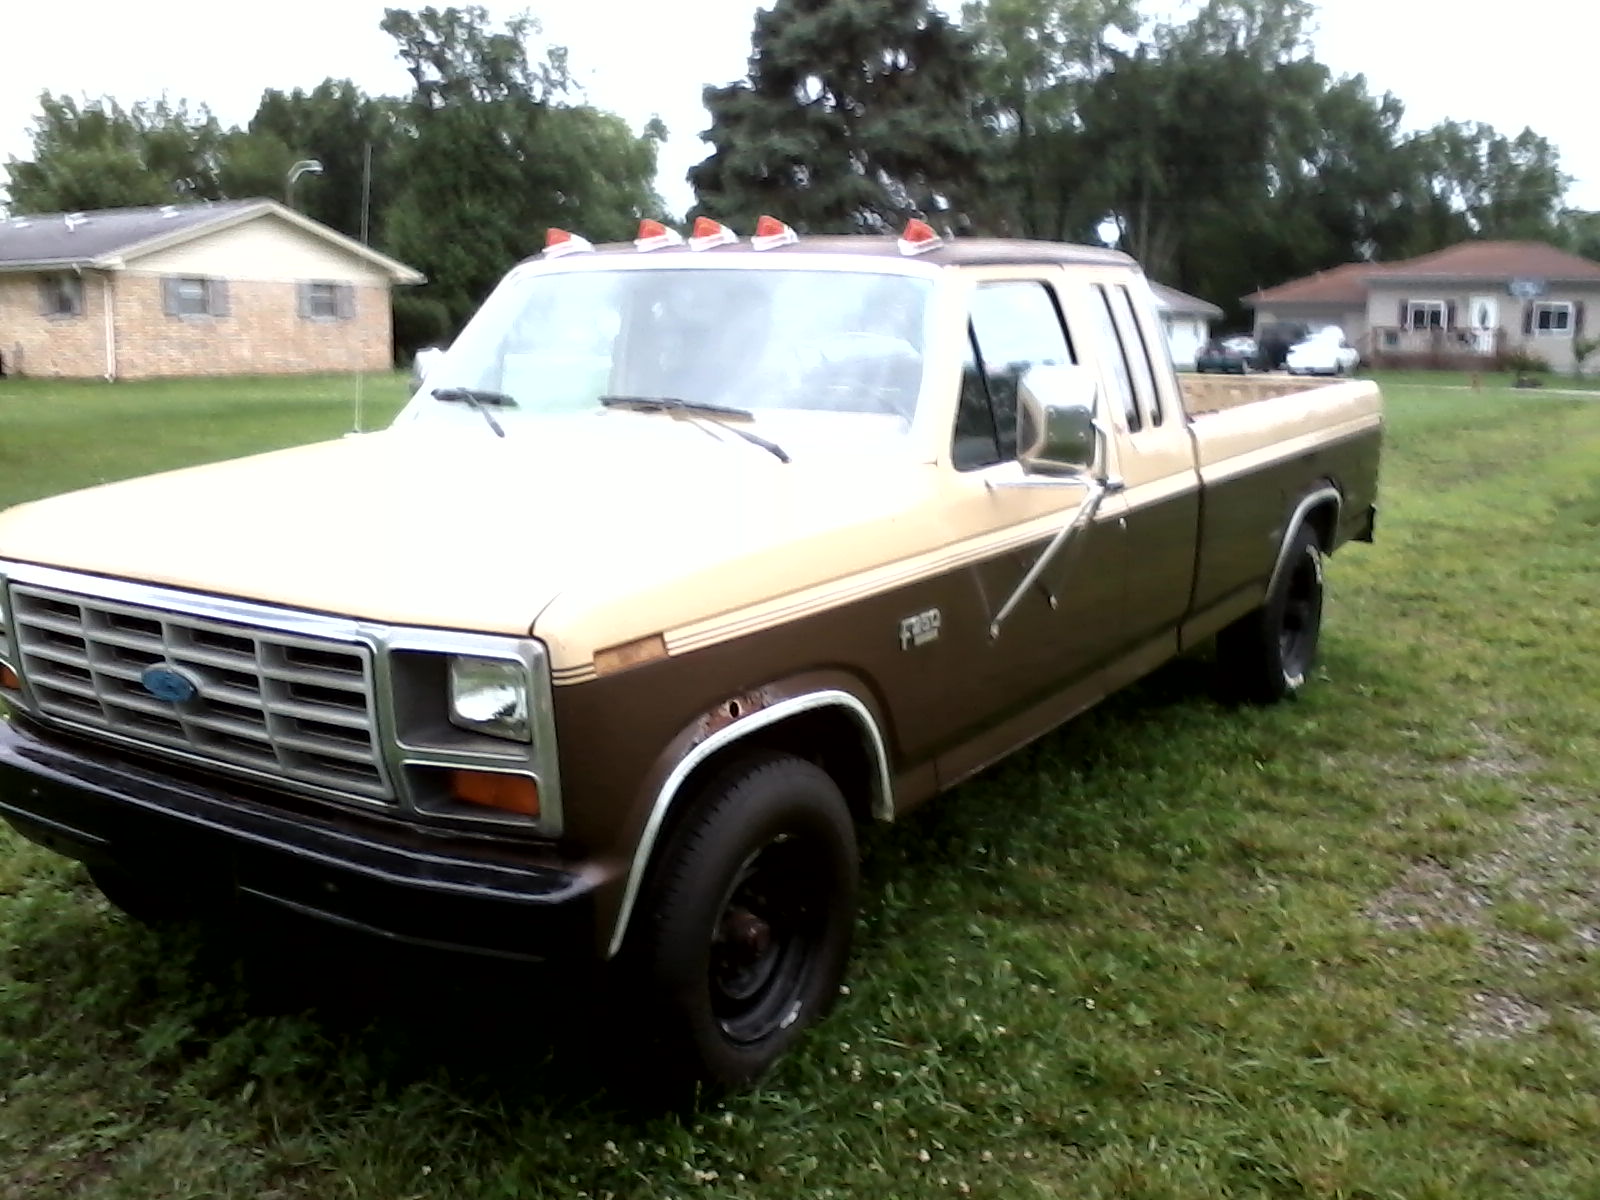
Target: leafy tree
(98,154)
(1500,187)
(854,114)
(491,158)
(1038,58)
(334,123)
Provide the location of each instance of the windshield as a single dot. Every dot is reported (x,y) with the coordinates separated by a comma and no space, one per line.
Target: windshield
(777,343)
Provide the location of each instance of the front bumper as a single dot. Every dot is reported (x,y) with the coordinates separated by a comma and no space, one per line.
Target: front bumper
(478,895)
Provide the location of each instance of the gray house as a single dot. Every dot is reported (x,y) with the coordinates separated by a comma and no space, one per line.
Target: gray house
(1466,306)
(1187,322)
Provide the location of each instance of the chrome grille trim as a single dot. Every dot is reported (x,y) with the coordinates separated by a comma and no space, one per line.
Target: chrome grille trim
(404,746)
(293,706)
(290,706)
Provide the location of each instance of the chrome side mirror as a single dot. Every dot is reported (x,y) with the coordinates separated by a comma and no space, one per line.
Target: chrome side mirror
(1056,433)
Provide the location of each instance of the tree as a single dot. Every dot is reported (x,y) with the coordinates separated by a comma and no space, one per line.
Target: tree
(98,154)
(334,123)
(1499,187)
(489,159)
(1038,58)
(854,115)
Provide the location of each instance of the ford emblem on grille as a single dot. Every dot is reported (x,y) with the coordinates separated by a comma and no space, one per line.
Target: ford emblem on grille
(170,684)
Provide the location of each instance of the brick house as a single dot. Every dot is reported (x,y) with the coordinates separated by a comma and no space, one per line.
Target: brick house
(237,287)
(1469,305)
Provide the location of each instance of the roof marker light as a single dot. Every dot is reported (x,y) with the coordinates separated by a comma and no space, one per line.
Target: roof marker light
(558,242)
(772,233)
(653,235)
(918,237)
(708,233)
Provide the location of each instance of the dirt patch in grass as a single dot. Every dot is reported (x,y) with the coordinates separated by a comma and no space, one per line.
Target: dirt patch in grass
(1524,903)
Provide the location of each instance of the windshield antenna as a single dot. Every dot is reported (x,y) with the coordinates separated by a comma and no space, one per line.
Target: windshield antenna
(359,416)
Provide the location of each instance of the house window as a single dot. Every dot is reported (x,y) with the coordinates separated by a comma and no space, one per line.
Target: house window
(1425,314)
(194,296)
(321,300)
(1552,318)
(61,296)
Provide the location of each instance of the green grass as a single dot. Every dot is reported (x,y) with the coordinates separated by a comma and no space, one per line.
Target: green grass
(1348,947)
(1486,380)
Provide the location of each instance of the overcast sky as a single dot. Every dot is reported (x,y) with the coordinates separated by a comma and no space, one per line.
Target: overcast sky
(1516,67)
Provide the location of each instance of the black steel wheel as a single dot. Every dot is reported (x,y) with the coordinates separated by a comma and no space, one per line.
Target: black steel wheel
(1267,654)
(747,927)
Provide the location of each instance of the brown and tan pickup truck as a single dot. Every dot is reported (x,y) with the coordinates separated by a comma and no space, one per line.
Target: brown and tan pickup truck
(684,563)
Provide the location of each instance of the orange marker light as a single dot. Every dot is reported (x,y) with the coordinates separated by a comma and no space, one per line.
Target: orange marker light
(917,237)
(772,233)
(490,789)
(9,680)
(558,242)
(708,233)
(653,235)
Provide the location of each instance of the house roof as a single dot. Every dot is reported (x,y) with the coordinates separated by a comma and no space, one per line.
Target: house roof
(1497,261)
(105,239)
(1173,300)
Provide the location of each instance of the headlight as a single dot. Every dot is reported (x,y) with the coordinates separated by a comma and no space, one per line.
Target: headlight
(490,695)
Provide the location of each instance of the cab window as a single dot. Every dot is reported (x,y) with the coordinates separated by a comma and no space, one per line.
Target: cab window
(1116,354)
(1139,361)
(1015,326)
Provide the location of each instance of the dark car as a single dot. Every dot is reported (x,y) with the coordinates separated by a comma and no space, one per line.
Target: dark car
(1228,356)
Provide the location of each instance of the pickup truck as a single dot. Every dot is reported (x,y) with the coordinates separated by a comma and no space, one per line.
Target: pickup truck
(687,561)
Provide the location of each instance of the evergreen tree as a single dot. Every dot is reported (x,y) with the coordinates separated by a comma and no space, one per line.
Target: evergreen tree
(854,115)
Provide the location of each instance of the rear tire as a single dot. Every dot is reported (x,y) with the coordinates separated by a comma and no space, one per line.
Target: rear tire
(1266,655)
(747,926)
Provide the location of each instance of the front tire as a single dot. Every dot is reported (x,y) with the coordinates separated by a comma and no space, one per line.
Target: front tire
(749,920)
(1266,655)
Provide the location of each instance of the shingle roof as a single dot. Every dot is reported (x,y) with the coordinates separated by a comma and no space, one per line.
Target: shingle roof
(1497,260)
(79,239)
(1466,260)
(102,238)
(1337,285)
(1181,302)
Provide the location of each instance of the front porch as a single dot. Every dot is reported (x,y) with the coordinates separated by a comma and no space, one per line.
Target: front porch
(1393,347)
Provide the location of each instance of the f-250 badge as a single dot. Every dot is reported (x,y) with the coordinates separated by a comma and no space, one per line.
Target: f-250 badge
(920,629)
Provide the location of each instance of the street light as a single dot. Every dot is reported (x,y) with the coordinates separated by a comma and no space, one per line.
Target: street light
(306,166)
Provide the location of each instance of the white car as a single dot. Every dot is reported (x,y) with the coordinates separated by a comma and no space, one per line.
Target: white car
(1325,352)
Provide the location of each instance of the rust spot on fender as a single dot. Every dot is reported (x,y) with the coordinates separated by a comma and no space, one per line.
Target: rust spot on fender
(726,712)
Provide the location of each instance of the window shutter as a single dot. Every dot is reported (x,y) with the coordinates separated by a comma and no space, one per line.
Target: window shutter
(1527,318)
(47,306)
(345,300)
(1449,314)
(169,296)
(1405,314)
(1577,318)
(217,297)
(302,300)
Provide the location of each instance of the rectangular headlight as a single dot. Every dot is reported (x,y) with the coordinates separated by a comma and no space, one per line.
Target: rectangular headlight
(490,695)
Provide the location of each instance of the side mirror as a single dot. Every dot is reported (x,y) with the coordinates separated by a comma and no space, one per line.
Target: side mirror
(1056,433)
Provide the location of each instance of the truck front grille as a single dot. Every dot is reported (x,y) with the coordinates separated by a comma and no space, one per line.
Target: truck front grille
(295,708)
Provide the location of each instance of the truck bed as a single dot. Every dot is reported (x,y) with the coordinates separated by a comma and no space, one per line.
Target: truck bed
(1205,394)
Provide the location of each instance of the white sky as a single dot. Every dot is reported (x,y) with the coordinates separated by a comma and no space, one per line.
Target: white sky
(1509,67)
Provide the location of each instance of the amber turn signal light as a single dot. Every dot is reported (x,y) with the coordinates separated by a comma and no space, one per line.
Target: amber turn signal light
(9,680)
(490,789)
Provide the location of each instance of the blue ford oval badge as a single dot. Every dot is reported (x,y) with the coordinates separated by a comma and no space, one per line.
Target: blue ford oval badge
(169,683)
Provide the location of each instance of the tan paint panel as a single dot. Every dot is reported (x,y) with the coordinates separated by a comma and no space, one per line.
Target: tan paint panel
(1276,427)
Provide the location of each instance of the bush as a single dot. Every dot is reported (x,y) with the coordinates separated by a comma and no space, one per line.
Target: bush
(418,321)
(1523,362)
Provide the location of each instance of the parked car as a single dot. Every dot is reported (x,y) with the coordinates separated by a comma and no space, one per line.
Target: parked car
(679,569)
(1236,355)
(1325,352)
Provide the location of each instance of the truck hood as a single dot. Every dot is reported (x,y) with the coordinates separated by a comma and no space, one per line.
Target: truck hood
(458,529)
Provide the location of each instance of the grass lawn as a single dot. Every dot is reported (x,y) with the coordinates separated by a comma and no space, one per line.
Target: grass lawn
(1348,947)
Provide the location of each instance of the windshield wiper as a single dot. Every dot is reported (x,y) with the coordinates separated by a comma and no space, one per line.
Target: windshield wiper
(475,399)
(720,414)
